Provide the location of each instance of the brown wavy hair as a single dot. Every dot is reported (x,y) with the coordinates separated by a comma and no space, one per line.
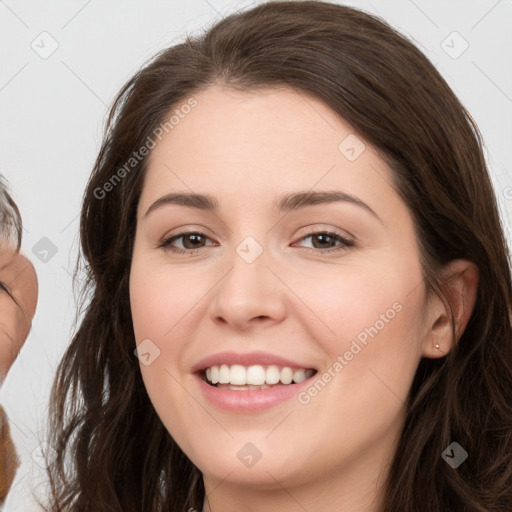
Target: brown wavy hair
(113,452)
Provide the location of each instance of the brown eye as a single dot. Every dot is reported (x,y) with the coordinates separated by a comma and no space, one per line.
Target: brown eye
(185,242)
(193,241)
(325,241)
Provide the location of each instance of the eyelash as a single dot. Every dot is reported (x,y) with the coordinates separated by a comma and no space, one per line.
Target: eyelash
(345,243)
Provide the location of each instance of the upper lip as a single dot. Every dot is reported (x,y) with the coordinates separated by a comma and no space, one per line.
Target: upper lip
(246,359)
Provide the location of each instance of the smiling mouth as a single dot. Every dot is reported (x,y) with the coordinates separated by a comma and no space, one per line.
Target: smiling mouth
(237,377)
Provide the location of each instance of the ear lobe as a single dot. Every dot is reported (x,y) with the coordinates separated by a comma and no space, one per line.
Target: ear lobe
(459,286)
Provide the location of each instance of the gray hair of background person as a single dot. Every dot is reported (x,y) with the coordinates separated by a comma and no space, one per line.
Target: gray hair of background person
(10,218)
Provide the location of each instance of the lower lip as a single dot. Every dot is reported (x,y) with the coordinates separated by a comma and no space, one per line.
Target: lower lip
(250,400)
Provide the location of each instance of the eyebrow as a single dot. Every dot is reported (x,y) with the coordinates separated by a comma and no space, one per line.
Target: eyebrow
(283,204)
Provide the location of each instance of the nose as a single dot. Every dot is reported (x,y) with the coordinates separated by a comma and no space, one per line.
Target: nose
(249,295)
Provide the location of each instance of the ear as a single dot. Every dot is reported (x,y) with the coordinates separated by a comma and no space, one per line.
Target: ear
(459,285)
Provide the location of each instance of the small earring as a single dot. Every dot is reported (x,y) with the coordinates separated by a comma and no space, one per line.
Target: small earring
(437,346)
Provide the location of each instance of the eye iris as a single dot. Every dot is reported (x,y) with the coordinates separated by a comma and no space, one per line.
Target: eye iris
(326,240)
(188,238)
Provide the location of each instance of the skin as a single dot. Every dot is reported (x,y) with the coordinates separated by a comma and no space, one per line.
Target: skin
(18,274)
(295,300)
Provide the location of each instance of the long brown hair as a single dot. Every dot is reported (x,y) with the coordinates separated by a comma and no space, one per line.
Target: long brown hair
(113,452)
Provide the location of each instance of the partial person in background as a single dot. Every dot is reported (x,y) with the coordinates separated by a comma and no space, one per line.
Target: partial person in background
(18,299)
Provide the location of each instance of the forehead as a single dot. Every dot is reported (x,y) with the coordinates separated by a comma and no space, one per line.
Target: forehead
(227,124)
(253,145)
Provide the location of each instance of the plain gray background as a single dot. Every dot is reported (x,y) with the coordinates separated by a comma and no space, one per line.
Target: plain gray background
(62,64)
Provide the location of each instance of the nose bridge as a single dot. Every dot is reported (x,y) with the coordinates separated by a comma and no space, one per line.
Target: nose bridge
(249,275)
(249,290)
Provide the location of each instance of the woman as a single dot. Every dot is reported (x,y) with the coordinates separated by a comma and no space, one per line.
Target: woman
(18,298)
(291,222)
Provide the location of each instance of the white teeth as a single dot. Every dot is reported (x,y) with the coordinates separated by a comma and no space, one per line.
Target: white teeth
(286,375)
(272,375)
(238,376)
(256,376)
(224,374)
(214,374)
(299,375)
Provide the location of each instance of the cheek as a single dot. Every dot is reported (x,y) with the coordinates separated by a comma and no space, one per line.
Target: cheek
(13,331)
(367,320)
(159,308)
(358,301)
(159,298)
(371,357)
(164,304)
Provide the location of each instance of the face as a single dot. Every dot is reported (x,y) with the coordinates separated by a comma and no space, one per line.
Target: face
(18,275)
(308,264)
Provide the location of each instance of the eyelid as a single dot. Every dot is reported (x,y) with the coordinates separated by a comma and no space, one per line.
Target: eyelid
(325,228)
(187,229)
